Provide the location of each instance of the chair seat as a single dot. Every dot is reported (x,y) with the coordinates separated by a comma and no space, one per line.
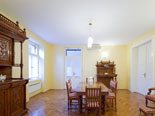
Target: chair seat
(109,90)
(92,104)
(73,91)
(150,97)
(73,96)
(146,110)
(111,95)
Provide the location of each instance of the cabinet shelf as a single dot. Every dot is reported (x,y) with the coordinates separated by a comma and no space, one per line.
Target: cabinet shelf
(8,65)
(105,72)
(106,67)
(17,65)
(5,65)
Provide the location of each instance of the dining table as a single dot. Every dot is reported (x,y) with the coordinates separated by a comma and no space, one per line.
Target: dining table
(81,91)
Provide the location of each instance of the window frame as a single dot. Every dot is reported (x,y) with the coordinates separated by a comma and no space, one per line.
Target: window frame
(72,49)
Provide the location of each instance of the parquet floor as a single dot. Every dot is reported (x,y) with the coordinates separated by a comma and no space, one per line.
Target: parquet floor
(54,103)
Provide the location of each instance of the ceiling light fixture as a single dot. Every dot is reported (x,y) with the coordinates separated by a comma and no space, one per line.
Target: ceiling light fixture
(90,39)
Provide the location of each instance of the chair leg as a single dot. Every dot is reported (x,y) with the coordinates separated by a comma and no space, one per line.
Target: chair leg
(140,111)
(80,105)
(68,104)
(100,112)
(86,112)
(146,102)
(115,106)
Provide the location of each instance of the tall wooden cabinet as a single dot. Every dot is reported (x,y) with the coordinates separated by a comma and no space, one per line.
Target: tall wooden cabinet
(105,72)
(12,90)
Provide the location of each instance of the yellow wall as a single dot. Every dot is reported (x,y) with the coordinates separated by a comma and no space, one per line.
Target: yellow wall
(48,63)
(120,54)
(90,58)
(55,62)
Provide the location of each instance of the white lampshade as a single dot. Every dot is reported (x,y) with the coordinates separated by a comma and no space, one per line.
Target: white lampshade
(89,45)
(90,42)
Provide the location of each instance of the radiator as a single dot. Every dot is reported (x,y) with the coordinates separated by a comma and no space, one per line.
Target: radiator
(34,87)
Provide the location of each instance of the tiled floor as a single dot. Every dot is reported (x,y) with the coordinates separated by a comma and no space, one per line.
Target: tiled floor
(54,103)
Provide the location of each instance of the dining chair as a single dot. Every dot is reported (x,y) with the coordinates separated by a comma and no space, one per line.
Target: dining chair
(70,84)
(90,79)
(72,96)
(150,97)
(112,94)
(93,99)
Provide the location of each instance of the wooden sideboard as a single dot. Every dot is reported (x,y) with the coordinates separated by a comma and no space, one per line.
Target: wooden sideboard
(12,90)
(105,72)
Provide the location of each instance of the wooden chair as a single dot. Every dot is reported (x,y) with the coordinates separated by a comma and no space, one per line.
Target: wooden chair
(93,99)
(90,79)
(150,97)
(112,94)
(147,111)
(72,96)
(70,84)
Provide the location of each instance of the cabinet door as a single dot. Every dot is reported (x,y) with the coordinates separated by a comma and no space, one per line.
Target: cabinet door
(5,50)
(3,103)
(17,100)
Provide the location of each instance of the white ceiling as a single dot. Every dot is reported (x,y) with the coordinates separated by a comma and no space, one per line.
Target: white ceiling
(115,22)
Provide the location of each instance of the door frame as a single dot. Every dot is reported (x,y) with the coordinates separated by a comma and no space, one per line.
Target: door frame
(81,63)
(133,69)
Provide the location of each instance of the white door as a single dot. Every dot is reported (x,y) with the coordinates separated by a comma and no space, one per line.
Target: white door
(144,68)
(73,66)
(149,67)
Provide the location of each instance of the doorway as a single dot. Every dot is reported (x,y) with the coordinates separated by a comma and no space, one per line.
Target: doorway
(142,65)
(73,66)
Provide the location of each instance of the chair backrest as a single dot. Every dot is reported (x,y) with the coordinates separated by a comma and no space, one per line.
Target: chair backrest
(90,79)
(113,85)
(93,96)
(69,81)
(68,86)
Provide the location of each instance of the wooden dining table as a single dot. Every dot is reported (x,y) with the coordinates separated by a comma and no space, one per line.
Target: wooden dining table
(81,91)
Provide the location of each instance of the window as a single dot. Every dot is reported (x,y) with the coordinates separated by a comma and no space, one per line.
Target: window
(33,61)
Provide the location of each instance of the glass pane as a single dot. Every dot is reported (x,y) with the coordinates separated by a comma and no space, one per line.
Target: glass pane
(68,67)
(34,66)
(33,48)
(77,67)
(30,65)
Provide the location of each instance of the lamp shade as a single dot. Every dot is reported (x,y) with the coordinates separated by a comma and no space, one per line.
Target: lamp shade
(90,42)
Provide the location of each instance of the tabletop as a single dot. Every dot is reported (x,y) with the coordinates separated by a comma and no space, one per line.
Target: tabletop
(81,88)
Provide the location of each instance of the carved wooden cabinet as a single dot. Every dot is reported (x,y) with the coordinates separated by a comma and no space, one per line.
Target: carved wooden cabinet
(12,90)
(105,72)
(3,101)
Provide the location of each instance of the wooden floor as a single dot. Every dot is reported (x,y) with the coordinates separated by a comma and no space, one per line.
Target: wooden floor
(54,103)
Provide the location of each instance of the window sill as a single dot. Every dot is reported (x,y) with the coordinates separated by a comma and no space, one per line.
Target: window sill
(32,81)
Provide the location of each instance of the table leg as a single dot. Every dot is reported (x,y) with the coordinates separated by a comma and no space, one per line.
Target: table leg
(103,104)
(80,103)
